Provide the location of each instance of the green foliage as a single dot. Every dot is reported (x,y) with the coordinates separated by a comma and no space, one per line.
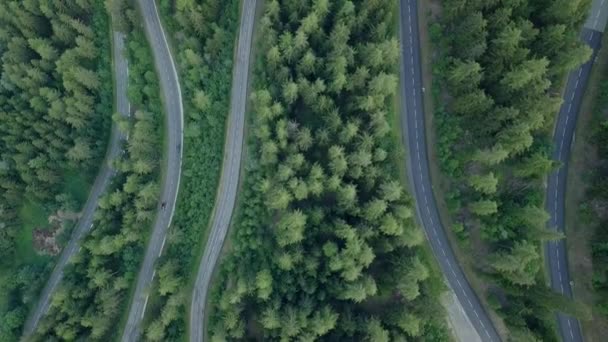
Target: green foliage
(50,125)
(501,64)
(324,244)
(95,287)
(596,198)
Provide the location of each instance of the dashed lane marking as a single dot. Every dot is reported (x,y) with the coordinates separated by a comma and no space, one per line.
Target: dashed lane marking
(144,310)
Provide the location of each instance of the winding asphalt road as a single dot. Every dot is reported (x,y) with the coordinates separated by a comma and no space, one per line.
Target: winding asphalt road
(227,191)
(172,99)
(555,252)
(85,223)
(413,126)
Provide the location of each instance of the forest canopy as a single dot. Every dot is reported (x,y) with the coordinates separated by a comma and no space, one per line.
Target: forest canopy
(324,244)
(53,104)
(55,111)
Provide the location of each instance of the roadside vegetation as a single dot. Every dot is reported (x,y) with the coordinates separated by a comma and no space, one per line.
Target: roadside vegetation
(94,293)
(324,243)
(204,35)
(499,70)
(592,215)
(55,110)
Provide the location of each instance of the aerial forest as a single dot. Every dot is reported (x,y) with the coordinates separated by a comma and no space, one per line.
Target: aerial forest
(325,245)
(94,293)
(55,113)
(499,73)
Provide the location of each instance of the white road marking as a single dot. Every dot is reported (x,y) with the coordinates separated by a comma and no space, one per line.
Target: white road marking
(570,329)
(144,310)
(163,244)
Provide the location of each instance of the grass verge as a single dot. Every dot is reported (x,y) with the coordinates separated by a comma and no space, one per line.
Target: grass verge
(579,231)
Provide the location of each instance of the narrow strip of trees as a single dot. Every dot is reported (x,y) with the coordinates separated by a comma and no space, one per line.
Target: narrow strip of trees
(324,245)
(95,290)
(204,34)
(500,68)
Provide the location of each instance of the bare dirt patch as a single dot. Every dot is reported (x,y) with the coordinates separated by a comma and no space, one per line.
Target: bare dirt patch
(45,239)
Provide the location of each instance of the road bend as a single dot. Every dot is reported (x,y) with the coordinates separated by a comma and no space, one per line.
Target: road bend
(85,222)
(227,191)
(172,100)
(413,126)
(556,252)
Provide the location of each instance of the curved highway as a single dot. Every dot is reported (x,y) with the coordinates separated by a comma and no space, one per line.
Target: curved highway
(413,126)
(227,191)
(172,99)
(102,181)
(555,252)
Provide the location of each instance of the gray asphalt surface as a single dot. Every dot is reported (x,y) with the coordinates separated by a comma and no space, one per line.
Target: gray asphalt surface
(413,126)
(556,252)
(172,100)
(227,191)
(598,16)
(85,223)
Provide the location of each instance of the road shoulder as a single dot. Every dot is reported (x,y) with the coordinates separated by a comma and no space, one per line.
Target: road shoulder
(578,231)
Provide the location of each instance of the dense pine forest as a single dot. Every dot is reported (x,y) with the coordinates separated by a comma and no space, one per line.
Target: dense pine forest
(52,98)
(324,245)
(500,71)
(94,294)
(204,35)
(55,111)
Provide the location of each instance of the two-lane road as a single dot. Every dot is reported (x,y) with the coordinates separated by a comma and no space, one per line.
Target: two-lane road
(555,252)
(102,181)
(413,126)
(172,98)
(227,191)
